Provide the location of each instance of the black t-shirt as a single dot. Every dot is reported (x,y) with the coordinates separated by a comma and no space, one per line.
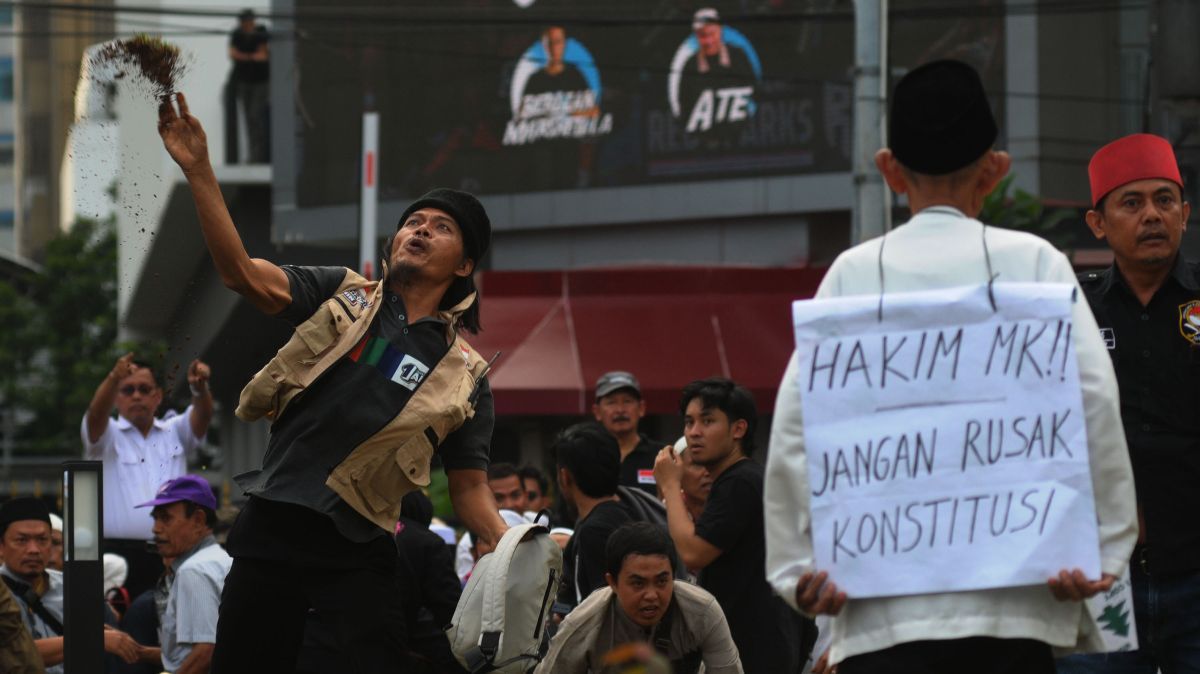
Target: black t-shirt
(766,630)
(554,161)
(293,516)
(1156,354)
(583,559)
(569,80)
(248,43)
(637,468)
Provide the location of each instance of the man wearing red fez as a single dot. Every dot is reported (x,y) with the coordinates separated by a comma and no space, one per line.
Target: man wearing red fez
(1147,305)
(941,156)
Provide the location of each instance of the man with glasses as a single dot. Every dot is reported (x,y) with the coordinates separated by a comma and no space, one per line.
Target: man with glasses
(141,451)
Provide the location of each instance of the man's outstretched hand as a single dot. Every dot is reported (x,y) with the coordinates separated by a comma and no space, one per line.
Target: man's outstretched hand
(1074,586)
(182,135)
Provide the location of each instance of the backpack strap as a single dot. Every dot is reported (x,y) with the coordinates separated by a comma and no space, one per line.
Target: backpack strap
(491,624)
(27,594)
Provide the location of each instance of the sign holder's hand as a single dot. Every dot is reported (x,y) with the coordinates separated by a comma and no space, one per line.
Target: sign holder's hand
(822,666)
(816,594)
(1074,586)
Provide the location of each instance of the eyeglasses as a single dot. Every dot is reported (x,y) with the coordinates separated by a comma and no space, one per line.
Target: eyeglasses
(144,389)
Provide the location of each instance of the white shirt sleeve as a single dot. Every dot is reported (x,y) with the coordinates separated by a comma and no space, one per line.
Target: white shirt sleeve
(786,492)
(95,450)
(181,426)
(1108,454)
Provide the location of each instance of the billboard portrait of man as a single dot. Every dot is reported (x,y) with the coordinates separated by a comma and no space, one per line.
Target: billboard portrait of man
(713,78)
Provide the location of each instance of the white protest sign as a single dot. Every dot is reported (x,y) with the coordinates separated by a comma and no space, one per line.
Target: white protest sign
(946,443)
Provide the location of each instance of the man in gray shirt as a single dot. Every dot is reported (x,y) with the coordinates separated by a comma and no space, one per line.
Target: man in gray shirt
(184,515)
(644,603)
(25,547)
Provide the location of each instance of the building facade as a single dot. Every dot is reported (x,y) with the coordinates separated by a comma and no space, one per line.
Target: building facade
(619,173)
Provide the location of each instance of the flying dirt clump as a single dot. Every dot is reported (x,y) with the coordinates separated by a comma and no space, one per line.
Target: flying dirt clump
(158,63)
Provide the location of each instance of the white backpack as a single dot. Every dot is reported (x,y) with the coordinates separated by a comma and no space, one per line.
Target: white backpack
(500,622)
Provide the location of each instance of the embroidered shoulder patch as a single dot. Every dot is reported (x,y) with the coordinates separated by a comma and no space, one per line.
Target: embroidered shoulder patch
(356,297)
(1189,321)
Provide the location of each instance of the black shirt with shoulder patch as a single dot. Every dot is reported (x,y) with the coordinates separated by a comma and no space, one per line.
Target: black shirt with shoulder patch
(292,515)
(767,632)
(637,469)
(1155,350)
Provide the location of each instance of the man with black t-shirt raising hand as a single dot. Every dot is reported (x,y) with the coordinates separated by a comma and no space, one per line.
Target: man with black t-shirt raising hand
(727,542)
(375,380)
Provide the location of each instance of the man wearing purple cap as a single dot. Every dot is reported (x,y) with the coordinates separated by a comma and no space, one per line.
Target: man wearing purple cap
(184,515)
(377,377)
(1147,305)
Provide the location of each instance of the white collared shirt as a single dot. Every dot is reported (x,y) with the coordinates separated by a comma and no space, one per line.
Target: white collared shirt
(135,467)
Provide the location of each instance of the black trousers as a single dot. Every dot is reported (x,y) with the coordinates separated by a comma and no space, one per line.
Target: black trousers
(973,655)
(265,604)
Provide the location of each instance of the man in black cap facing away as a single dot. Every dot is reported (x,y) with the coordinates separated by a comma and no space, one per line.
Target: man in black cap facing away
(376,378)
(941,135)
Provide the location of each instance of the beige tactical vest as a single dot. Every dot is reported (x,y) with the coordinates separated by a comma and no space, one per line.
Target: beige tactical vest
(394,461)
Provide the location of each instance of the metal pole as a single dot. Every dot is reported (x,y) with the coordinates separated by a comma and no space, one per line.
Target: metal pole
(367,231)
(83,570)
(869,217)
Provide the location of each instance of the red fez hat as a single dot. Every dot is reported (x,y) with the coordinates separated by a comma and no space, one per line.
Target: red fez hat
(1138,157)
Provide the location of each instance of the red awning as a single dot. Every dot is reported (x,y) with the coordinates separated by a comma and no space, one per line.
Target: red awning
(559,331)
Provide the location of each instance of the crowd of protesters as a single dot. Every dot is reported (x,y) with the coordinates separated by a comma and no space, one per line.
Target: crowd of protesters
(677,555)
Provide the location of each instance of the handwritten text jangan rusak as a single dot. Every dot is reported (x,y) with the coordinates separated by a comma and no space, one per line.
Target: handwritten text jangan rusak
(947,435)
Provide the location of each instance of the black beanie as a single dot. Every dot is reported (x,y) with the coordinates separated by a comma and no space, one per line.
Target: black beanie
(940,120)
(467,212)
(21,509)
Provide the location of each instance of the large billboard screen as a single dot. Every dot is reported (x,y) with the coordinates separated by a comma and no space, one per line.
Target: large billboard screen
(516,96)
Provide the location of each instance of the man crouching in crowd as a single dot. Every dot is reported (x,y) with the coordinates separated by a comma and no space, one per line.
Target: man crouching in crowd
(644,603)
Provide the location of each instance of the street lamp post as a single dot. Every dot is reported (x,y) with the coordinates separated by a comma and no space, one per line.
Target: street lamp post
(83,568)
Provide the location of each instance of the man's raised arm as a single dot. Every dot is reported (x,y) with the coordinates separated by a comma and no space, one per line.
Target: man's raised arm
(99,409)
(260,281)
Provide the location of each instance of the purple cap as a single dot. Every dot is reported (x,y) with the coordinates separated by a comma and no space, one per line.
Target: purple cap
(185,488)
